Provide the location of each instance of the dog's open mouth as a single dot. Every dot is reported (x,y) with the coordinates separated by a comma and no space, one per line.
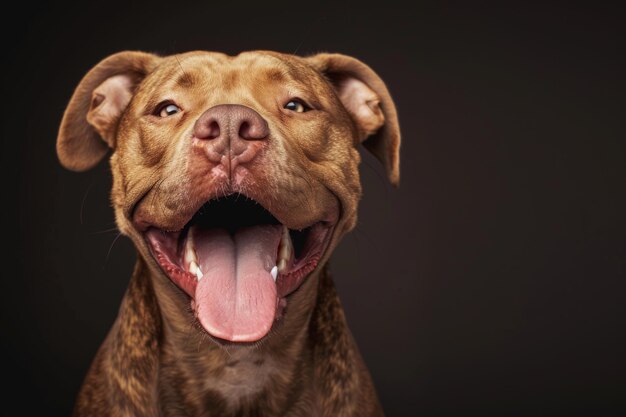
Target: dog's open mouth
(236,261)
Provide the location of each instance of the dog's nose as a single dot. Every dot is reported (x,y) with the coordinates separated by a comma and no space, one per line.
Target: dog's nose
(231,121)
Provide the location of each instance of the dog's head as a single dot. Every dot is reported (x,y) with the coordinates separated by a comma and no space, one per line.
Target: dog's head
(234,176)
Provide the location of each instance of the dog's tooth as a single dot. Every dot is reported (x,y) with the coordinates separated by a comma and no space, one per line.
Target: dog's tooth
(285,251)
(190,256)
(285,241)
(190,251)
(282,265)
(193,268)
(274,273)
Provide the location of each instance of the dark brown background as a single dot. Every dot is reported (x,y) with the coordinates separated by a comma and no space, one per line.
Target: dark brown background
(490,283)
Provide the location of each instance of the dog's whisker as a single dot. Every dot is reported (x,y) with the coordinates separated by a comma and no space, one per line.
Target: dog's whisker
(98,232)
(306,195)
(82,203)
(384,183)
(111,247)
(155,193)
(181,69)
(199,344)
(357,245)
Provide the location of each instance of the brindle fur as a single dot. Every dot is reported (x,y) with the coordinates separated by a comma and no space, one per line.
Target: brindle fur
(138,372)
(157,360)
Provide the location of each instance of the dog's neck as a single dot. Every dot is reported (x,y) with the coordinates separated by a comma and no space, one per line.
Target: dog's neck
(197,373)
(157,363)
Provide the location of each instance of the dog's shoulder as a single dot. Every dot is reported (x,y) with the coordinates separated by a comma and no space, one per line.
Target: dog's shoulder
(122,376)
(344,384)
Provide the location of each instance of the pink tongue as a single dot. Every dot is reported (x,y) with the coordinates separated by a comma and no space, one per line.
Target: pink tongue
(236,298)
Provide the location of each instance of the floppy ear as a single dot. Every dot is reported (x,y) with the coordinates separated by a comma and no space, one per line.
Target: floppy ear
(90,122)
(369,103)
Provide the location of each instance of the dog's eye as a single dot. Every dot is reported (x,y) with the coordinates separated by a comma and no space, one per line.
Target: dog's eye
(297,106)
(168,110)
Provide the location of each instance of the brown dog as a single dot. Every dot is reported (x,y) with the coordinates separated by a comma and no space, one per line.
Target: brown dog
(235,177)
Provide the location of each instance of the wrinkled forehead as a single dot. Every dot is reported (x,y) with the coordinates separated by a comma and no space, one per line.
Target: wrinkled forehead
(250,71)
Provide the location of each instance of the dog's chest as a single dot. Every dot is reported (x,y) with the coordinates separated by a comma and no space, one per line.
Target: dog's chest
(205,388)
(242,378)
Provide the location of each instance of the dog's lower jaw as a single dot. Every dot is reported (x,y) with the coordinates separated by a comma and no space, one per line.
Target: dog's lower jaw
(155,361)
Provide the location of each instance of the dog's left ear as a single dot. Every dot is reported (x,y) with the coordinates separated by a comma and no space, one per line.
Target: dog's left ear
(365,96)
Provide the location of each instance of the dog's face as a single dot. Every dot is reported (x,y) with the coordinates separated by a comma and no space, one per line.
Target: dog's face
(234,176)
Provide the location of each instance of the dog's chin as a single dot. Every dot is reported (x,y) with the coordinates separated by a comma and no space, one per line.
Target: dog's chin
(238,264)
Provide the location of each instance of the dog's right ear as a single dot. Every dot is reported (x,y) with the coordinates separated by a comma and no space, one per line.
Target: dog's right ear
(89,126)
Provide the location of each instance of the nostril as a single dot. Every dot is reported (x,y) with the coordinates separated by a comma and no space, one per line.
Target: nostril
(207,129)
(213,130)
(244,130)
(253,131)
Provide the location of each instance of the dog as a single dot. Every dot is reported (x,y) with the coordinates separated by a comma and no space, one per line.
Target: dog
(235,177)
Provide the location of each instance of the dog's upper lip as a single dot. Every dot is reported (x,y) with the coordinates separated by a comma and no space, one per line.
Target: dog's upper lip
(142,224)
